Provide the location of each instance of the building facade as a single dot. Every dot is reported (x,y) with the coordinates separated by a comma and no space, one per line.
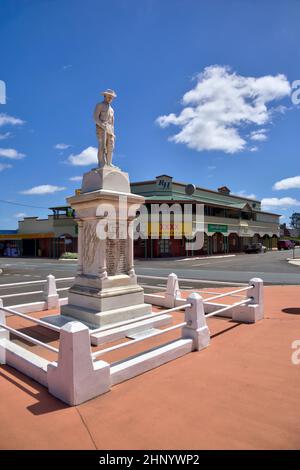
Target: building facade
(230,223)
(49,237)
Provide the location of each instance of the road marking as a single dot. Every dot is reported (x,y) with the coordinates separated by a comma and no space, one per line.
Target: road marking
(218,262)
(25,283)
(200,264)
(205,257)
(204,281)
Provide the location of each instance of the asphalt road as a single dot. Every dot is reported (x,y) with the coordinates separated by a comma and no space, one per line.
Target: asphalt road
(272,267)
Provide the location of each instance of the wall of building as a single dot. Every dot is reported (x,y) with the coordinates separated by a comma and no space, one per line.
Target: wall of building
(57,226)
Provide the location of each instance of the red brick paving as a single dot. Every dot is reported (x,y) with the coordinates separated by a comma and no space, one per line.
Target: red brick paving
(240,393)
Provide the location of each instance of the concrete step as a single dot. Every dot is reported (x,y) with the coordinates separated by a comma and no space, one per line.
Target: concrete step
(107,317)
(155,357)
(143,334)
(122,331)
(61,320)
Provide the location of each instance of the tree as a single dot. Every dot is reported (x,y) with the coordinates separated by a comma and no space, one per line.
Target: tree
(295,220)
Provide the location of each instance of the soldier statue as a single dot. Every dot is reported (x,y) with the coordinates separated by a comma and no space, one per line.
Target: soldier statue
(104,119)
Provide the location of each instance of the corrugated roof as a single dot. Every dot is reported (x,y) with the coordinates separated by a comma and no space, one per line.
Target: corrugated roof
(194,198)
(153,182)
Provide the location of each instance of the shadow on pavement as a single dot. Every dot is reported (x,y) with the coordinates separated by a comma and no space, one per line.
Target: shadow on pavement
(46,403)
(292,311)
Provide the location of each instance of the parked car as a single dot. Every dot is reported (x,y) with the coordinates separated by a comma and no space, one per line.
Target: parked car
(255,248)
(285,244)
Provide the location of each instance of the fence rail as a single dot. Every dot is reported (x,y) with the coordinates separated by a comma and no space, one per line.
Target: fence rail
(228,307)
(28,338)
(30,318)
(21,294)
(134,320)
(137,340)
(225,294)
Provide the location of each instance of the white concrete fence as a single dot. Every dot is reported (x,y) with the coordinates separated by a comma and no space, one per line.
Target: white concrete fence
(77,374)
(49,293)
(247,310)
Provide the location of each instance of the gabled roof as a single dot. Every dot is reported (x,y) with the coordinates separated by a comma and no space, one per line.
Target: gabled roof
(167,176)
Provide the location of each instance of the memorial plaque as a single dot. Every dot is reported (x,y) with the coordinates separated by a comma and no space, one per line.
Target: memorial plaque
(122,260)
(116,256)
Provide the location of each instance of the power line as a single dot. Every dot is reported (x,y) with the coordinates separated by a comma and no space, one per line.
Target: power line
(20,204)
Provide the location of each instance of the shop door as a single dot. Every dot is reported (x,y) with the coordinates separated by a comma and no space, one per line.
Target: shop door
(164,247)
(29,247)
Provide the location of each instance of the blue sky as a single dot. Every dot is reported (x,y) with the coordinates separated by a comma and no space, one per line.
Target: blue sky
(57,56)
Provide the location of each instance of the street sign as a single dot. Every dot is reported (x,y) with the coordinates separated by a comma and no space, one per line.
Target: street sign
(217,228)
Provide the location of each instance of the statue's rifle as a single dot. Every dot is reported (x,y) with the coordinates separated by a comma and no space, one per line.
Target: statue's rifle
(104,146)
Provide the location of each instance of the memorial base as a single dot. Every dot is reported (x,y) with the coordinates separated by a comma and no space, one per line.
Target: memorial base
(105,290)
(120,298)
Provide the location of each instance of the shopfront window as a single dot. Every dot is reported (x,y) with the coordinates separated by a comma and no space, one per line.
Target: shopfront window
(164,246)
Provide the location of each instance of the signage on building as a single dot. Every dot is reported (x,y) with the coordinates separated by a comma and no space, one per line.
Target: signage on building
(173,229)
(217,228)
(163,184)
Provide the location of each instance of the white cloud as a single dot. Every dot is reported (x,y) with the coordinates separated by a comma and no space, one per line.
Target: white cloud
(4,166)
(243,193)
(20,215)
(4,136)
(43,189)
(211,167)
(87,157)
(279,203)
(11,153)
(75,178)
(62,146)
(259,135)
(7,119)
(220,105)
(288,183)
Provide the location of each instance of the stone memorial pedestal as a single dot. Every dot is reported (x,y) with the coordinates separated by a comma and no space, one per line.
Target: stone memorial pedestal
(105,290)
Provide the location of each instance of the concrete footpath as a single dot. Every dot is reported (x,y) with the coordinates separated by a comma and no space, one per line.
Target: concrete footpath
(242,392)
(295,262)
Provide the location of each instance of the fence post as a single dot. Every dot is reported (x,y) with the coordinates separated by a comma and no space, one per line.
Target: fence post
(196,327)
(173,291)
(4,334)
(254,310)
(75,378)
(51,296)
